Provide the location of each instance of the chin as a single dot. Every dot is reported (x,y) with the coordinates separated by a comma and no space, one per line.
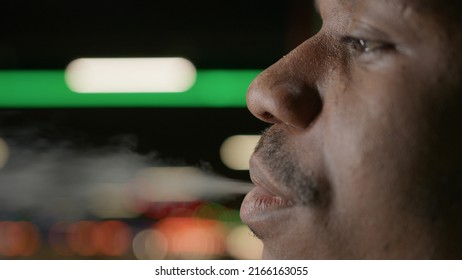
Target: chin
(281,254)
(269,256)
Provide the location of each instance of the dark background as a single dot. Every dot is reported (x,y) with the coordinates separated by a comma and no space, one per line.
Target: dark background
(213,35)
(246,34)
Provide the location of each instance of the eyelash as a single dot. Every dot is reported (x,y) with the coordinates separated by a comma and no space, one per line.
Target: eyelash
(360,46)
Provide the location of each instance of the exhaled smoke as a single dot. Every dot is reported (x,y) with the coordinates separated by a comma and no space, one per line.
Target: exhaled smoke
(53,181)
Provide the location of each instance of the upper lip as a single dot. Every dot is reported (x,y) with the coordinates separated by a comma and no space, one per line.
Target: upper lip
(259,174)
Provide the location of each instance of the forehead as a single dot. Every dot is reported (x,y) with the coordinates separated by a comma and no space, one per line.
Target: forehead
(419,13)
(432,6)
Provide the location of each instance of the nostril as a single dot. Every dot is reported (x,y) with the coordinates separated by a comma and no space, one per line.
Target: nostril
(268,116)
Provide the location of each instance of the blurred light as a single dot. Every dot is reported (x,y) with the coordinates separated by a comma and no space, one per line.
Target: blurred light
(240,244)
(235,151)
(192,238)
(150,245)
(230,216)
(18,239)
(4,153)
(100,75)
(80,238)
(112,238)
(209,211)
(108,238)
(47,89)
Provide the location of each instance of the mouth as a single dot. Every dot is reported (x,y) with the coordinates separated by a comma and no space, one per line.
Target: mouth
(265,199)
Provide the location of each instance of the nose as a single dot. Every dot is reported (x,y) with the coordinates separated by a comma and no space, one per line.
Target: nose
(286,92)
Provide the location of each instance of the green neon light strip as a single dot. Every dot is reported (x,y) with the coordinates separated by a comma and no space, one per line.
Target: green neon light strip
(47,89)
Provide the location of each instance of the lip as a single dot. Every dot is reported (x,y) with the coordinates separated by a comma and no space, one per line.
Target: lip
(265,198)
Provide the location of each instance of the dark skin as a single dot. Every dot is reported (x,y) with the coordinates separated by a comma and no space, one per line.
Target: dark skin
(362,160)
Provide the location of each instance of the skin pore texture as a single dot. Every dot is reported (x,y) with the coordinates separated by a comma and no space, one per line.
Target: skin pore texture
(362,157)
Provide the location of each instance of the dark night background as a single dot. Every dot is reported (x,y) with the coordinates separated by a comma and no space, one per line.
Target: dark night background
(213,35)
(37,35)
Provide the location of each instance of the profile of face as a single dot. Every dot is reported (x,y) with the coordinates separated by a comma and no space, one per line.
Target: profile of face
(362,157)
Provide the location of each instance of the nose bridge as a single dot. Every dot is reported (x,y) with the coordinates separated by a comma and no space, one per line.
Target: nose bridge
(287,92)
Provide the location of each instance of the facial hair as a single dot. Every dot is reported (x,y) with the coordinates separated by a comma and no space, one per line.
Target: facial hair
(281,161)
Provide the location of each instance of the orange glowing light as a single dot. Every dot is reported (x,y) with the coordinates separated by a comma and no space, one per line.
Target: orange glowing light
(18,239)
(109,238)
(80,238)
(193,237)
(112,238)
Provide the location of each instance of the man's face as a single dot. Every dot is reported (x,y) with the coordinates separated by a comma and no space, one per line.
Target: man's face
(356,163)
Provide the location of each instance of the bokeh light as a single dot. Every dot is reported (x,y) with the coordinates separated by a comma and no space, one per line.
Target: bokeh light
(91,238)
(189,230)
(230,216)
(125,75)
(113,238)
(4,153)
(19,239)
(209,211)
(193,238)
(167,207)
(236,150)
(241,244)
(80,238)
(150,244)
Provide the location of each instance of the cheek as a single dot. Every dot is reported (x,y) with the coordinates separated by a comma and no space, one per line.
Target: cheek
(373,138)
(309,235)
(374,128)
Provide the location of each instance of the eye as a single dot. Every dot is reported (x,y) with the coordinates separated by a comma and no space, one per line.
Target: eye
(367,46)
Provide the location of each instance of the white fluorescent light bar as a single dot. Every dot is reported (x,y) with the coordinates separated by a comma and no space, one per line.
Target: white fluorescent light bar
(112,75)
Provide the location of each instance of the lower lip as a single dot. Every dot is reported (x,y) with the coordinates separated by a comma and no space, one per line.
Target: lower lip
(259,202)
